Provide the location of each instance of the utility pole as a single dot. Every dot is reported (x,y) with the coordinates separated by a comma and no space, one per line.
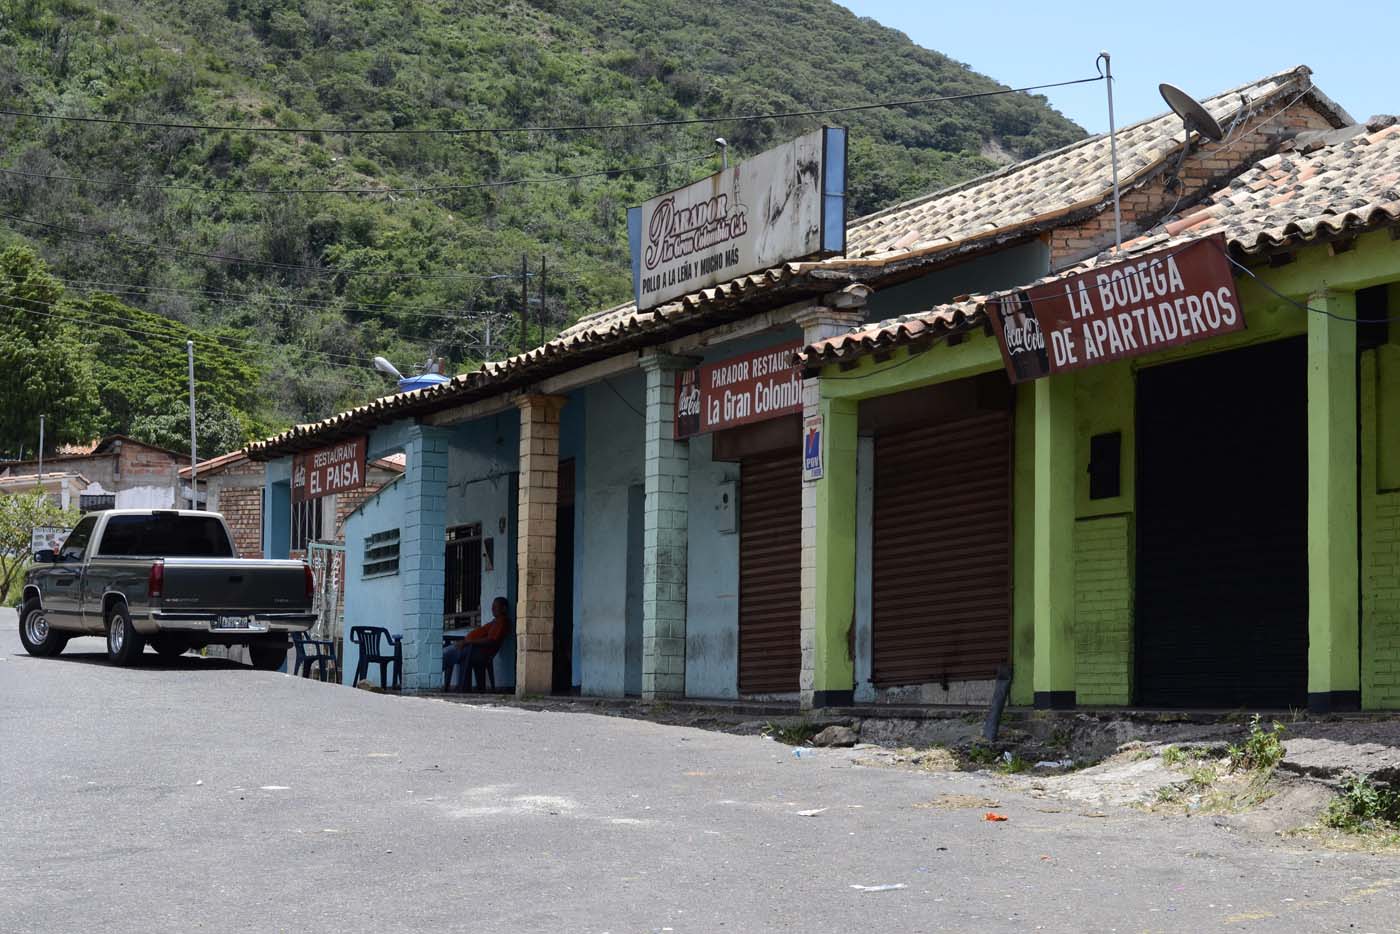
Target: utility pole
(488,337)
(544,281)
(524,305)
(194,458)
(1107,61)
(41,454)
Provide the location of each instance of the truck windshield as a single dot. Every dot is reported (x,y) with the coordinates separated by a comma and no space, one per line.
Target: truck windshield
(165,536)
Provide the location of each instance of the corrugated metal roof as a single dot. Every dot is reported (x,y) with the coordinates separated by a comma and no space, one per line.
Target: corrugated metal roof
(1327,186)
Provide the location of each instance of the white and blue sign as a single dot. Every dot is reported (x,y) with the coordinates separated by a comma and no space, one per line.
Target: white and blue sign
(786,204)
(812,448)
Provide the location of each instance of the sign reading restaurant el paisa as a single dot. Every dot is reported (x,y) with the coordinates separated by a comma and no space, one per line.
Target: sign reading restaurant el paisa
(784,204)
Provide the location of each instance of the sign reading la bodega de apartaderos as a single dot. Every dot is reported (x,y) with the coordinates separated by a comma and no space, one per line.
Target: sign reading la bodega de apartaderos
(784,204)
(331,469)
(1151,302)
(739,390)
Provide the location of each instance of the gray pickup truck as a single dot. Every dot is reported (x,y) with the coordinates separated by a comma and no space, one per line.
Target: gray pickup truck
(167,577)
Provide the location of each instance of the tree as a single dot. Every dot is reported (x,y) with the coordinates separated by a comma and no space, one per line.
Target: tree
(20,514)
(44,367)
(217,429)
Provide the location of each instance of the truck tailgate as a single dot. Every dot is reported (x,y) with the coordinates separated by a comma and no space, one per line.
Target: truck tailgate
(234,586)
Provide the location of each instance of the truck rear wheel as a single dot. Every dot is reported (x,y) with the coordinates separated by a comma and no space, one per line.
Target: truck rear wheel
(124,643)
(267,656)
(34,632)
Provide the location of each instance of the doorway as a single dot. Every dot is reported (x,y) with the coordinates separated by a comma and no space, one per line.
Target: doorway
(1222,537)
(563,680)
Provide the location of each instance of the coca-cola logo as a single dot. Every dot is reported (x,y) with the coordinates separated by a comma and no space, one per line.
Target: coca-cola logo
(676,232)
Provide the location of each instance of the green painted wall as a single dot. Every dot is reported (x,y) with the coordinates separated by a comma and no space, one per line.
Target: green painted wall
(1022,550)
(1103,604)
(1380,528)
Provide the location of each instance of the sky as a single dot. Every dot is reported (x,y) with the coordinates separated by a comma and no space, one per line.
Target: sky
(1202,47)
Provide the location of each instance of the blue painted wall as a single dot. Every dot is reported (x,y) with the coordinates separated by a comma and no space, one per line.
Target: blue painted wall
(712,574)
(1001,270)
(379,600)
(277,508)
(614,451)
(572,446)
(482,461)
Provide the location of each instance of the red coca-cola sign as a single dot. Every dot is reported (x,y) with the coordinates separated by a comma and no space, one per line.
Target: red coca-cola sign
(748,388)
(1151,302)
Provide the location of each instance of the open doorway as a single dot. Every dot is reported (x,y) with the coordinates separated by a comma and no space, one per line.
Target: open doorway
(1222,566)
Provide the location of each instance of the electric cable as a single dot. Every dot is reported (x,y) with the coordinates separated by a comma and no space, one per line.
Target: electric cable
(565,128)
(419,189)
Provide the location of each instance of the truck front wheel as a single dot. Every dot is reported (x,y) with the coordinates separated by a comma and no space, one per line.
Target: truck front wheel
(124,643)
(34,632)
(267,656)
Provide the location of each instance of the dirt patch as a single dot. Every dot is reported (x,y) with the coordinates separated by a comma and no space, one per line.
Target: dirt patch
(957,803)
(935,759)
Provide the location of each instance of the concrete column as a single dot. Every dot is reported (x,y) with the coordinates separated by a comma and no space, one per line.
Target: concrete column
(665,518)
(422,556)
(1053,569)
(1334,647)
(535,536)
(827,615)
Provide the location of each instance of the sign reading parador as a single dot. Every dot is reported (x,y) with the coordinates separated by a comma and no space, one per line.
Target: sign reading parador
(333,469)
(1145,304)
(784,204)
(737,391)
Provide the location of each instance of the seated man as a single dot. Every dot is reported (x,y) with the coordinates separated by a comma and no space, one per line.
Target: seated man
(460,653)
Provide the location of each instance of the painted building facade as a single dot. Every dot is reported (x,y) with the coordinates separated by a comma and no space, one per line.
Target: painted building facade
(952,533)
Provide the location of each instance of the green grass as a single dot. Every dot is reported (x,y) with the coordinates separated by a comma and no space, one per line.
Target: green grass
(1364,806)
(791,734)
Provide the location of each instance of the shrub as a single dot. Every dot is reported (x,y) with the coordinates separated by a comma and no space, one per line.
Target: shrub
(1261,751)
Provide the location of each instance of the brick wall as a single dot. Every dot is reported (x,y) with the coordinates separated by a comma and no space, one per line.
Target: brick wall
(1380,604)
(1103,599)
(1206,169)
(242,510)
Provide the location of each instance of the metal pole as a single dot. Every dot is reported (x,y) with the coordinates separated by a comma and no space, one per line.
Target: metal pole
(524,305)
(1113,152)
(41,454)
(194,457)
(544,281)
(488,337)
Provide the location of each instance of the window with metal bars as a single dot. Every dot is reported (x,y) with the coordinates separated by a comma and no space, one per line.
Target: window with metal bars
(462,606)
(381,554)
(306,523)
(96,502)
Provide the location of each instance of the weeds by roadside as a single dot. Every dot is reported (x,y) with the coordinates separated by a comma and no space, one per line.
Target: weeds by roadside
(1364,806)
(791,734)
(1261,751)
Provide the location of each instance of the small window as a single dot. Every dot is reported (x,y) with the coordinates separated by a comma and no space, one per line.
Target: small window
(306,523)
(96,502)
(381,554)
(77,541)
(462,604)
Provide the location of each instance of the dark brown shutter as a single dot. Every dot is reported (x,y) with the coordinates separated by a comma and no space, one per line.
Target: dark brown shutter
(770,573)
(941,583)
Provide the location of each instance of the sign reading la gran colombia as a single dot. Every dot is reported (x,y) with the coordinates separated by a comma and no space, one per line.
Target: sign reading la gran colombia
(784,204)
(1165,299)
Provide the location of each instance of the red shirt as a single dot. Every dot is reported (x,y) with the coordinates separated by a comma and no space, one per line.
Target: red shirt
(493,631)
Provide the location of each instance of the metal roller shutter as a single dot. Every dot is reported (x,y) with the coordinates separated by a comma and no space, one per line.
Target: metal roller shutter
(941,582)
(770,574)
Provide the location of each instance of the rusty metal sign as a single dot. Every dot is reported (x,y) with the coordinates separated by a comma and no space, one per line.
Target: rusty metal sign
(332,469)
(784,204)
(1139,306)
(748,388)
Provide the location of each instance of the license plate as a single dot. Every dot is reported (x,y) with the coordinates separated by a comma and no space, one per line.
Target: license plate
(233,622)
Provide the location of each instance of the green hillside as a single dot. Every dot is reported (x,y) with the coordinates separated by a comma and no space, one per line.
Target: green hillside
(307,286)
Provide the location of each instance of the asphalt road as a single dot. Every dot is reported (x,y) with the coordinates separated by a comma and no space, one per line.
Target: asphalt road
(204,796)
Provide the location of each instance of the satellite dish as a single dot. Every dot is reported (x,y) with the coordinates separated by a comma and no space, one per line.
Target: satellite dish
(1191,112)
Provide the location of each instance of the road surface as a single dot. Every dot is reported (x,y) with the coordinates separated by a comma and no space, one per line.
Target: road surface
(204,796)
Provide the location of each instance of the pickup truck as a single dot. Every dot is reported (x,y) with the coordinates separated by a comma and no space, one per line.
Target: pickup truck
(165,577)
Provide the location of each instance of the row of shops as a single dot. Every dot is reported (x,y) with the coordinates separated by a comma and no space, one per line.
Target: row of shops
(974,440)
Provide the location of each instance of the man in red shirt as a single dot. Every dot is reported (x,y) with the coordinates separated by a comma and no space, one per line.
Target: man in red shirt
(479,639)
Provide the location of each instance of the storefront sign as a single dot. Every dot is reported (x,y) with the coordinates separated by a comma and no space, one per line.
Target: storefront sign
(737,391)
(46,538)
(812,448)
(787,203)
(332,469)
(1149,303)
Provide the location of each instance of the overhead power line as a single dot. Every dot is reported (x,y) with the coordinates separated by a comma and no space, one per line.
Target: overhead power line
(417,189)
(84,236)
(563,128)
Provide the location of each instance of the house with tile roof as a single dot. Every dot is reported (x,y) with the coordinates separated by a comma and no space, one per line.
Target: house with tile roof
(1184,522)
(651,550)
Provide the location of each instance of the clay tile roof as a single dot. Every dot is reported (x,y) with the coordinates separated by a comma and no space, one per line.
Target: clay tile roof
(1327,193)
(1043,189)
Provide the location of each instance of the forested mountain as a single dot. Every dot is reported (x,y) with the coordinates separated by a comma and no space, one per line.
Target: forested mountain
(193,230)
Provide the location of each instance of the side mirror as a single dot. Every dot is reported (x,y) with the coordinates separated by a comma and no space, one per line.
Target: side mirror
(47,556)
